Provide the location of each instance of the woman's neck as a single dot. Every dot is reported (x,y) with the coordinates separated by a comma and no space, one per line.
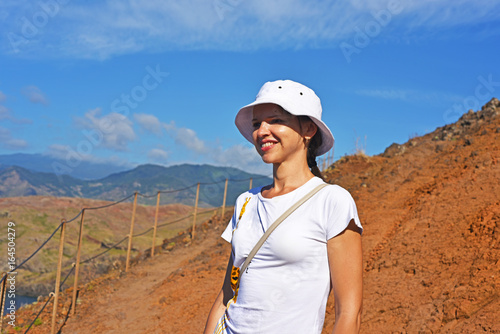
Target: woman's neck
(286,178)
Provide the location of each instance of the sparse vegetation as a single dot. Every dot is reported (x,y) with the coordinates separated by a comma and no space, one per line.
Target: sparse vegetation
(413,135)
(359,147)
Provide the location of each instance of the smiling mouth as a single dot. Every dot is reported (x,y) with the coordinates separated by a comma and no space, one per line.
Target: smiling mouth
(267,146)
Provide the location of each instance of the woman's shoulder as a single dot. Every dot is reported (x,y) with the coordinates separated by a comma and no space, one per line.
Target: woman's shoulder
(337,193)
(249,193)
(331,188)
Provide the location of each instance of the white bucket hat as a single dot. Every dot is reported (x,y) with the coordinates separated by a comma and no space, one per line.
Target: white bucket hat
(295,98)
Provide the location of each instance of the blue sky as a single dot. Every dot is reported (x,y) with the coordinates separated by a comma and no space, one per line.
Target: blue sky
(134,82)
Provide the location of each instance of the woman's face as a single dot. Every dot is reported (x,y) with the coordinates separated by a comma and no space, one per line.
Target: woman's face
(279,136)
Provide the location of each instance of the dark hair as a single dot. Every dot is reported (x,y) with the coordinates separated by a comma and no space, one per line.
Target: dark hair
(312,149)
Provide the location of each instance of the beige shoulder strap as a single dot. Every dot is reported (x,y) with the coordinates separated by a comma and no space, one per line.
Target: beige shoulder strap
(274,225)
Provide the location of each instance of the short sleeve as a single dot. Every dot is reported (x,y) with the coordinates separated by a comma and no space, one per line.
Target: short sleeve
(228,232)
(342,211)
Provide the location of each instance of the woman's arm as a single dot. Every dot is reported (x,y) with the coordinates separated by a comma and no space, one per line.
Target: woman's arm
(346,271)
(219,306)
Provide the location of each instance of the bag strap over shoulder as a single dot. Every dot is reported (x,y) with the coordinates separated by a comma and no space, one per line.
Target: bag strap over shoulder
(275,224)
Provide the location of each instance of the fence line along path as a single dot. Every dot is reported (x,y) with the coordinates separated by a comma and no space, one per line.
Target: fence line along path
(75,268)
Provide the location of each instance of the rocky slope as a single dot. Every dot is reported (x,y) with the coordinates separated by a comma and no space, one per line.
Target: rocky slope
(431,209)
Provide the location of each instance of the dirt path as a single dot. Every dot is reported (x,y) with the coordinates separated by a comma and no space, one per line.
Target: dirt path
(133,303)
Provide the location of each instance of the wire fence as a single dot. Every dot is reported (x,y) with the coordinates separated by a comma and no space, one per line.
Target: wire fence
(74,268)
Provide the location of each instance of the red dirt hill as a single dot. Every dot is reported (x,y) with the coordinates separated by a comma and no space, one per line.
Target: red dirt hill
(431,212)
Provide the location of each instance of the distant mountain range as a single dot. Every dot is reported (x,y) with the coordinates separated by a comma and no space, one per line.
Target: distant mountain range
(146,179)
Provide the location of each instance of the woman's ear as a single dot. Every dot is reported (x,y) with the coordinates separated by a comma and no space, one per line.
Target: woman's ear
(309,129)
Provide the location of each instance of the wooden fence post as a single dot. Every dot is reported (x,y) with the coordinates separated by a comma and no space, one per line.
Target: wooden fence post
(224,202)
(195,210)
(131,233)
(58,277)
(77,265)
(156,224)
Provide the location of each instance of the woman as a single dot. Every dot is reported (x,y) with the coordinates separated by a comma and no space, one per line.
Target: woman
(316,249)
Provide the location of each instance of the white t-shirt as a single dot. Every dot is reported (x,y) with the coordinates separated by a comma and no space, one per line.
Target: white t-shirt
(286,286)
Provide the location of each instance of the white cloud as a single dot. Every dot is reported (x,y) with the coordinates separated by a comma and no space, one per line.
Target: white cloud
(188,138)
(58,151)
(116,132)
(169,127)
(388,94)
(6,115)
(16,144)
(239,156)
(35,95)
(10,143)
(157,155)
(2,97)
(242,157)
(410,95)
(149,123)
(85,30)
(112,131)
